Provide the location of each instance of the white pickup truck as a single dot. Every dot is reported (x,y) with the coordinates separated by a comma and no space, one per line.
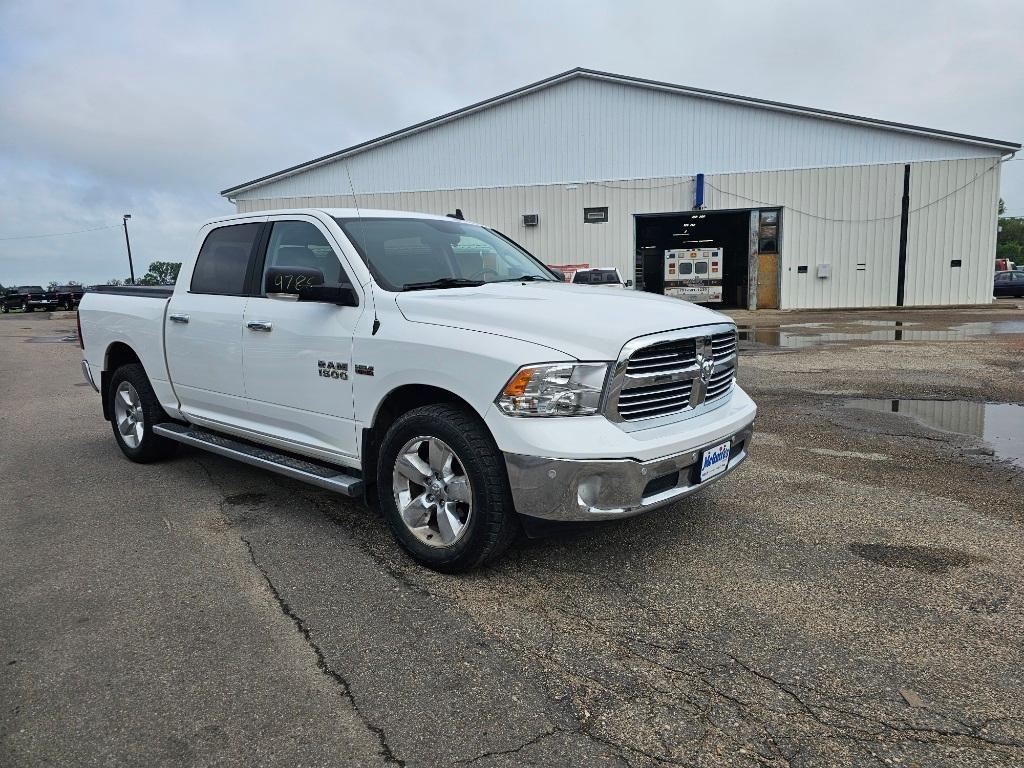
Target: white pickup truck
(425,356)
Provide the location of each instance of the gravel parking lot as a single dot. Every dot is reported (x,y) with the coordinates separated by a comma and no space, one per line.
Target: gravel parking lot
(851,596)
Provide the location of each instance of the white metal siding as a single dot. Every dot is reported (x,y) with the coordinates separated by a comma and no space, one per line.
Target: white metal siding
(839,216)
(590,129)
(953,215)
(836,216)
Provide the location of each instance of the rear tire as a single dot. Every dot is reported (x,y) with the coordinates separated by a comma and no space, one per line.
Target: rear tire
(134,410)
(26,308)
(459,511)
(4,308)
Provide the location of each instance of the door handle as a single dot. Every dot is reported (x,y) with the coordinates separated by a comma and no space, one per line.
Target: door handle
(260,325)
(178,318)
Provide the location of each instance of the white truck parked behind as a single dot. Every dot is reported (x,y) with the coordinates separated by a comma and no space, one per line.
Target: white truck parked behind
(430,357)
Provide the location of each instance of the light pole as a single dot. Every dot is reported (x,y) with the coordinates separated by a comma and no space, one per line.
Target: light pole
(128,243)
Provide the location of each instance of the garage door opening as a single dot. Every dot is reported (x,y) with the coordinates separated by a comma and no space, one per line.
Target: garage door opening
(663,236)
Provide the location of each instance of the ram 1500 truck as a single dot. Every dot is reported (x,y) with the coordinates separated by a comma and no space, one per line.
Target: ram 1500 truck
(427,359)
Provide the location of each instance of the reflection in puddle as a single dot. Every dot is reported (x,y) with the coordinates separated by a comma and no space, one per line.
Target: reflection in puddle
(816,334)
(1000,425)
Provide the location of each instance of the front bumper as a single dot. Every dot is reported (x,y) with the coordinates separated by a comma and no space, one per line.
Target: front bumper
(603,489)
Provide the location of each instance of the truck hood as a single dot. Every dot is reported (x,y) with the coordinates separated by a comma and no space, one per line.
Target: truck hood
(588,323)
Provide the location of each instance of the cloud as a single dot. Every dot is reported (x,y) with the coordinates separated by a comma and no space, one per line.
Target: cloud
(151,108)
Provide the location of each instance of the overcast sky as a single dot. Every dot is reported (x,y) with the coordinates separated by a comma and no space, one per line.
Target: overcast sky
(152,108)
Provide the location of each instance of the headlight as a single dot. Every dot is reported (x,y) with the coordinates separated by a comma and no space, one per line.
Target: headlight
(554,389)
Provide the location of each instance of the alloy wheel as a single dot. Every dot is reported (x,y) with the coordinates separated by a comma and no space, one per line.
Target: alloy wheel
(128,414)
(432,491)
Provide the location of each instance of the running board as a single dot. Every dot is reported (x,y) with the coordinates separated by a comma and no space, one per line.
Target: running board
(307,471)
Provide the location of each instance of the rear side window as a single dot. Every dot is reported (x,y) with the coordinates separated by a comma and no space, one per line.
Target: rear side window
(224,260)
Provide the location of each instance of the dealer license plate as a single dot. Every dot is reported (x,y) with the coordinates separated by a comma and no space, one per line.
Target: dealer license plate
(714,460)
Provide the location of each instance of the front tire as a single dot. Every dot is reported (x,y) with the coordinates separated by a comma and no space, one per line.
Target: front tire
(444,490)
(134,410)
(4,308)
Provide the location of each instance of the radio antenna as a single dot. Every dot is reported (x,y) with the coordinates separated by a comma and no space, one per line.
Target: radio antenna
(352,189)
(359,215)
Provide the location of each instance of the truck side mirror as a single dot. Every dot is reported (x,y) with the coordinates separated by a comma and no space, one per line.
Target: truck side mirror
(343,294)
(557,273)
(629,283)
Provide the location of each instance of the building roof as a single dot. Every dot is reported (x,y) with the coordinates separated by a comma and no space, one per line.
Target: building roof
(580,72)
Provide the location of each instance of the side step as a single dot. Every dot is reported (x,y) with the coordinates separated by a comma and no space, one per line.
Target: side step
(306,470)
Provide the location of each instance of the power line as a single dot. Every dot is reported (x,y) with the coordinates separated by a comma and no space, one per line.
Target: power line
(59,234)
(854,221)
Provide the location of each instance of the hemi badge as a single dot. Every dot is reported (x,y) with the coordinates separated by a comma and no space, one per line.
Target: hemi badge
(365,370)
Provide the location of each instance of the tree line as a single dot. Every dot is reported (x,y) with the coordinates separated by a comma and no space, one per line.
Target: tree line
(1010,240)
(159,273)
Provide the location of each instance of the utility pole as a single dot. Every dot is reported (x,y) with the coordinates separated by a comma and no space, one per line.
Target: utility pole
(128,243)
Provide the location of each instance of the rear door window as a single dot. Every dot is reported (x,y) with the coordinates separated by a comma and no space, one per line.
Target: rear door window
(700,267)
(223,261)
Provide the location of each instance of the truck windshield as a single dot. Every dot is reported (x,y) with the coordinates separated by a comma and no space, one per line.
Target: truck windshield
(405,254)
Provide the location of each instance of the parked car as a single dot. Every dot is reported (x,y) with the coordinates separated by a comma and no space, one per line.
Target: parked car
(609,277)
(28,298)
(477,394)
(1009,284)
(68,296)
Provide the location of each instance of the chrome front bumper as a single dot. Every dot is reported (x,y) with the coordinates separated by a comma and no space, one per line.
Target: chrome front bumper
(569,489)
(87,373)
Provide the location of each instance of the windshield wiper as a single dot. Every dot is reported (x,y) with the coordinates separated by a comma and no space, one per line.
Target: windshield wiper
(525,279)
(444,282)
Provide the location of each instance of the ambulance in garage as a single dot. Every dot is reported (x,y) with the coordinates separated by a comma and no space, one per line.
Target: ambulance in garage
(694,274)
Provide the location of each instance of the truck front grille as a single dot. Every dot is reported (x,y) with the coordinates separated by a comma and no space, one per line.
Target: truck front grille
(665,377)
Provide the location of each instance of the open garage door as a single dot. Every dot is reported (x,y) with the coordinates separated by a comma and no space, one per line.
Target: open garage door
(704,242)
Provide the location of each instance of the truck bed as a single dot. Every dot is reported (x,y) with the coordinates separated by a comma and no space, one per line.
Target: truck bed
(152,291)
(132,315)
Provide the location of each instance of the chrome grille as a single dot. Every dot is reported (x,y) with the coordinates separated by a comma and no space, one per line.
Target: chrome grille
(667,356)
(654,400)
(723,345)
(663,377)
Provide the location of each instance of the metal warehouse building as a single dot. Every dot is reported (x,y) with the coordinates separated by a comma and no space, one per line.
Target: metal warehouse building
(812,209)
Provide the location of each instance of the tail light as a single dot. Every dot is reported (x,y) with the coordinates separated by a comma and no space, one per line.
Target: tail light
(78,320)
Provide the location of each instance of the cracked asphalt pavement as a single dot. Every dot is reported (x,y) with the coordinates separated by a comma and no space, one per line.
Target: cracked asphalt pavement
(851,596)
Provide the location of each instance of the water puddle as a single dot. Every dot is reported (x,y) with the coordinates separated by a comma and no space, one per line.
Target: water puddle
(803,335)
(999,425)
(933,560)
(72,339)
